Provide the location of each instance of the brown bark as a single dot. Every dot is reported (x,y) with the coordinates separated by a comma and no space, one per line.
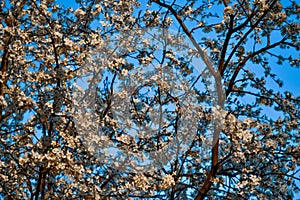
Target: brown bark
(4,63)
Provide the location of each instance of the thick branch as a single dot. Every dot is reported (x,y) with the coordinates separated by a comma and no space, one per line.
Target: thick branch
(4,63)
(224,48)
(40,183)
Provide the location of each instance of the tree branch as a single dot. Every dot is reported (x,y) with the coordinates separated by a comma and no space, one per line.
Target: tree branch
(245,36)
(243,62)
(221,98)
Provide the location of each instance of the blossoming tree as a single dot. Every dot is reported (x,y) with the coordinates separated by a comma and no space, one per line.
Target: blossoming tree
(148,99)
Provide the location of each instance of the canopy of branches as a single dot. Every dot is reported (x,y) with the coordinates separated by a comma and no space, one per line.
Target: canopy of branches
(118,99)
